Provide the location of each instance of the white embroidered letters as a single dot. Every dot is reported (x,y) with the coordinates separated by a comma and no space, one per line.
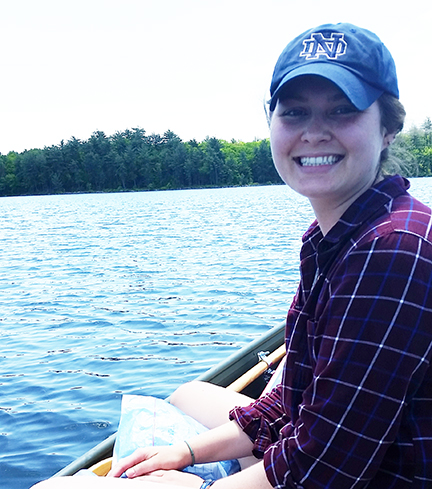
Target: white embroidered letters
(317,45)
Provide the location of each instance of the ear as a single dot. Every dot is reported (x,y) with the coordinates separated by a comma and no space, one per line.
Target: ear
(388,139)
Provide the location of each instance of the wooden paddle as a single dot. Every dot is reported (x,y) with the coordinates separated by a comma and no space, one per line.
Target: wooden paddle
(257,370)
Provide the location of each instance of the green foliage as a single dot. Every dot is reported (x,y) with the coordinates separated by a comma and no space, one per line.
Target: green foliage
(133,160)
(413,149)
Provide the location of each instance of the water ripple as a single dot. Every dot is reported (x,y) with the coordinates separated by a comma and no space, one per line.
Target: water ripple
(105,294)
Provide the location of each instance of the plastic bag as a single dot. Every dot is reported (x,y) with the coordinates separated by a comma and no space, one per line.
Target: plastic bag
(149,421)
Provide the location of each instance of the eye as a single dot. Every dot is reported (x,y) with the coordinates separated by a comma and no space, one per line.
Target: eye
(294,112)
(346,109)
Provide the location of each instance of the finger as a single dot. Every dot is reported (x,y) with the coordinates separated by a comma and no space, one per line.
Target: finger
(118,468)
(143,468)
(125,463)
(164,458)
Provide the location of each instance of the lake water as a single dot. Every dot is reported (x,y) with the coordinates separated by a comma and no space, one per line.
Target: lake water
(135,293)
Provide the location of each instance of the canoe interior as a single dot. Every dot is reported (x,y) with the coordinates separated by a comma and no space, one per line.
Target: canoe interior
(222,374)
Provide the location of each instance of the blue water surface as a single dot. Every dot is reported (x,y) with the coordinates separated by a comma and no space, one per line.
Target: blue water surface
(135,293)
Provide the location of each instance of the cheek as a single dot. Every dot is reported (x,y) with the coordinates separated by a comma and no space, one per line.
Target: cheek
(273,146)
(279,141)
(363,141)
(365,150)
(276,151)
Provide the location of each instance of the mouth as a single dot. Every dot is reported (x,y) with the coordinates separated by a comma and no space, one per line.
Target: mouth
(318,160)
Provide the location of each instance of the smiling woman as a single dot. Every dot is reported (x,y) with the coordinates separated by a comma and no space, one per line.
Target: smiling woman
(324,147)
(354,404)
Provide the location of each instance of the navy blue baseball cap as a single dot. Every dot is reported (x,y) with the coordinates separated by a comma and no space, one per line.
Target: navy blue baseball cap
(353,58)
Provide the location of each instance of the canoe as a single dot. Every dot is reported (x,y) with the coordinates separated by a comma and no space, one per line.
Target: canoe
(242,371)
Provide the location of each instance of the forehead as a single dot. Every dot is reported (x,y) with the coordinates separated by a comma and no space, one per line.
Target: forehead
(304,86)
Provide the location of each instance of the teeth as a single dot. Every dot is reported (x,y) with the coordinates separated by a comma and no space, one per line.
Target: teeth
(318,160)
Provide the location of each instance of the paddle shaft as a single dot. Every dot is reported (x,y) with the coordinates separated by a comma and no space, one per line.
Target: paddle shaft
(257,370)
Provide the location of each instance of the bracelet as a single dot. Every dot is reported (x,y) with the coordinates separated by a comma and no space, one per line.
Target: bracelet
(207,483)
(192,454)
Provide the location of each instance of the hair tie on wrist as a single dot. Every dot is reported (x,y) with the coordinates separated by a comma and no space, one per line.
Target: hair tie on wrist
(192,454)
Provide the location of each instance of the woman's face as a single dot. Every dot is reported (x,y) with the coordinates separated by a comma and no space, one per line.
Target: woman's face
(323,147)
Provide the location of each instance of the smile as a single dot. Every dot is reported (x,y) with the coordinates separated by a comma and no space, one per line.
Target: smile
(319,160)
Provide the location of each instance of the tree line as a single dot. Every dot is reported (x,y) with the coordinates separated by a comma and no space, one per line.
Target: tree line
(413,148)
(133,160)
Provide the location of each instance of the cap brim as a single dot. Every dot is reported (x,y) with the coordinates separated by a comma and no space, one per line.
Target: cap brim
(360,93)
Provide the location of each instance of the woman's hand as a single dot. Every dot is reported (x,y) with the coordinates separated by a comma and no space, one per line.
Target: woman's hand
(147,460)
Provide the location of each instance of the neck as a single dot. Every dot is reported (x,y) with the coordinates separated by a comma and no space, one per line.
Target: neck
(328,213)
(327,218)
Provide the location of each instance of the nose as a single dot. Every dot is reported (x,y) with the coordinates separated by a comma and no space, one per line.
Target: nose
(316,130)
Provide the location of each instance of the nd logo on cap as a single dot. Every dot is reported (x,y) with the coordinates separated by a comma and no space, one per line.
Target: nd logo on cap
(317,45)
(354,59)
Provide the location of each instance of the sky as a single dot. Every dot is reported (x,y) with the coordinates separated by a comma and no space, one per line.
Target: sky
(196,67)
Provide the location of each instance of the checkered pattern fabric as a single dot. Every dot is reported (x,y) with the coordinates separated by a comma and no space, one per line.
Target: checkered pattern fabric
(355,406)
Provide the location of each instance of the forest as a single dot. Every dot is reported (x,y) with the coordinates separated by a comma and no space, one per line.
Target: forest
(132,160)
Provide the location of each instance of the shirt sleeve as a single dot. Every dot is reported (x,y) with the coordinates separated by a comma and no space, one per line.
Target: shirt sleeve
(262,420)
(370,347)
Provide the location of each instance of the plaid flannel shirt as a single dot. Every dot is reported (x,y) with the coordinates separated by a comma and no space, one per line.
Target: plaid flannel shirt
(354,409)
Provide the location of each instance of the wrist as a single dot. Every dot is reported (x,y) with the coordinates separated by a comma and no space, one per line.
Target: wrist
(191,453)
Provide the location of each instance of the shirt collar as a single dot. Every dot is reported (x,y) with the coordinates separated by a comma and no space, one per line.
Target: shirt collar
(373,200)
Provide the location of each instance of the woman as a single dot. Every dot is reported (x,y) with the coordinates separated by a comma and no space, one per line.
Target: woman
(355,404)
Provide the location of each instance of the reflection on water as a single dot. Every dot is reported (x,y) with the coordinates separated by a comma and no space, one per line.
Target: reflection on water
(105,294)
